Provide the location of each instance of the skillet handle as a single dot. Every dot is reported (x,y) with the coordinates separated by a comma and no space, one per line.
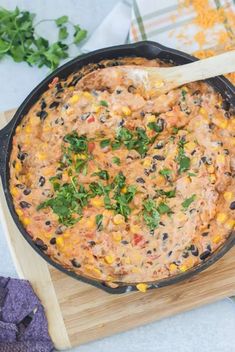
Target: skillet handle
(4,141)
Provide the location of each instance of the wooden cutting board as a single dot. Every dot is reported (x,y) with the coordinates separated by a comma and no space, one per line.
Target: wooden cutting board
(78,313)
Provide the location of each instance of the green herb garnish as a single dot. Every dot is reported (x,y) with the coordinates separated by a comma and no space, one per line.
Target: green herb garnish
(168,194)
(164,209)
(154,127)
(98,221)
(103,174)
(186,203)
(116,160)
(20,40)
(165,172)
(78,144)
(105,143)
(104,103)
(150,214)
(182,159)
(183,94)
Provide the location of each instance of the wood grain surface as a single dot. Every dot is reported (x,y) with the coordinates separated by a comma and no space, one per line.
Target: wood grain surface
(78,313)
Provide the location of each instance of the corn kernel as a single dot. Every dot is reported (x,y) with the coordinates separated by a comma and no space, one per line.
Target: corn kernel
(28,129)
(127,261)
(212,178)
(124,190)
(74,99)
(18,166)
(60,242)
(19,212)
(229,224)
(90,223)
(81,156)
(216,239)
(135,270)
(41,156)
(135,229)
(142,287)
(66,235)
(228,196)
(118,219)
(117,236)
(211,169)
(97,202)
(14,191)
(183,268)
(185,88)
(172,267)
(26,221)
(18,128)
(221,123)
(126,111)
(150,118)
(147,162)
(87,95)
(95,108)
(109,259)
(220,159)
(221,217)
(159,83)
(189,147)
(203,112)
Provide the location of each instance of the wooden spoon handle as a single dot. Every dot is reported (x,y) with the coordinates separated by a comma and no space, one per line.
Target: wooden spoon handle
(202,69)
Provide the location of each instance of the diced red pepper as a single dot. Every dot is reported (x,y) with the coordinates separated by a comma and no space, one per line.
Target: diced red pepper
(53,82)
(91,147)
(91,119)
(137,239)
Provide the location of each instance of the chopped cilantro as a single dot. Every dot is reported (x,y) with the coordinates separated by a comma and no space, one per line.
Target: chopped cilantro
(116,160)
(150,214)
(103,174)
(155,127)
(105,142)
(104,103)
(165,172)
(182,159)
(168,194)
(98,221)
(164,209)
(186,203)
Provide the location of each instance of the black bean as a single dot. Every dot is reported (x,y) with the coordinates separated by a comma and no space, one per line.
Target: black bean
(43,104)
(159,145)
(130,157)
(162,223)
(232,205)
(47,222)
(142,114)
(75,263)
(194,250)
(102,118)
(92,243)
(121,123)
(24,204)
(53,240)
(193,152)
(208,247)
(211,125)
(206,160)
(59,121)
(204,234)
(41,181)
(124,242)
(161,124)
(159,157)
(169,253)
(42,114)
(84,116)
(59,88)
(140,180)
(75,80)
(54,105)
(20,186)
(131,89)
(118,91)
(151,232)
(185,254)
(40,244)
(205,254)
(226,105)
(196,92)
(27,191)
(164,236)
(146,172)
(21,156)
(149,252)
(229,174)
(153,168)
(59,231)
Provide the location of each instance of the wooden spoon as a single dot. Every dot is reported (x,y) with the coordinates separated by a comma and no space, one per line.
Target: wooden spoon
(159,80)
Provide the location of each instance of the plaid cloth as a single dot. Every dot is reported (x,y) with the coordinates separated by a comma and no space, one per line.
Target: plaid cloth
(190,26)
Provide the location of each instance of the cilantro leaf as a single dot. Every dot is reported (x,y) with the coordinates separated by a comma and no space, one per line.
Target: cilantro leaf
(61,20)
(98,221)
(105,142)
(150,214)
(168,194)
(116,160)
(104,103)
(79,34)
(63,33)
(164,209)
(188,201)
(103,174)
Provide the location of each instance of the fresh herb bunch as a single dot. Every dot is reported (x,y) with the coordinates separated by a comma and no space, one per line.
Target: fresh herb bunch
(19,39)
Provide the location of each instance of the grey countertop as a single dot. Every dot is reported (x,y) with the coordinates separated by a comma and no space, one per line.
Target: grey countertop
(207,329)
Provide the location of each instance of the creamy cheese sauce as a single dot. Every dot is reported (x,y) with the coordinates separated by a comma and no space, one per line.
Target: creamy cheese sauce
(119,187)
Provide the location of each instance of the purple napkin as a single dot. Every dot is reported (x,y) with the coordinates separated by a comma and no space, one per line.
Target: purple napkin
(23,324)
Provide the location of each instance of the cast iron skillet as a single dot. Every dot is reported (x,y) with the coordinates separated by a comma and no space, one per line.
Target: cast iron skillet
(146,49)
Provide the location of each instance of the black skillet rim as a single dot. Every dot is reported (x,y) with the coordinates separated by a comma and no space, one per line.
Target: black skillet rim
(137,49)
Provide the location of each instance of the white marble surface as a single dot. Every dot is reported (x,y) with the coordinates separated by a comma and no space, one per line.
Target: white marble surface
(207,329)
